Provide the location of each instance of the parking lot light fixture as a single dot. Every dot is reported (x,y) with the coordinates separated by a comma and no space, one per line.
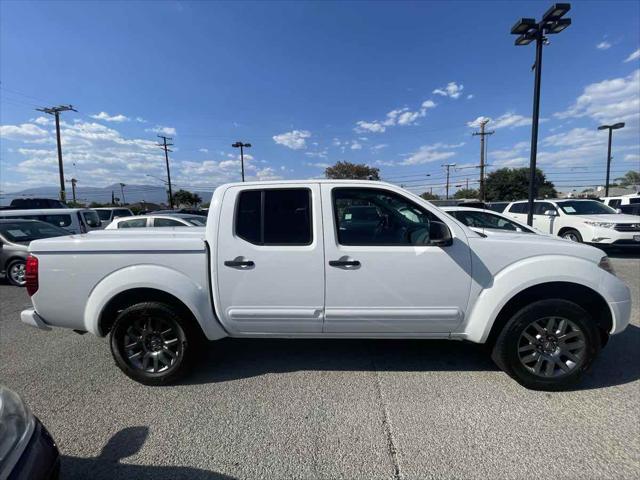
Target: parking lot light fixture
(529,30)
(241,146)
(611,128)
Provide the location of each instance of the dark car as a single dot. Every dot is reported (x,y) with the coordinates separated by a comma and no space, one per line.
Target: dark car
(27,450)
(35,203)
(15,236)
(495,206)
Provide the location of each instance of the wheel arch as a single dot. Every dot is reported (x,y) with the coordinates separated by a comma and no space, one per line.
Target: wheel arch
(577,293)
(139,283)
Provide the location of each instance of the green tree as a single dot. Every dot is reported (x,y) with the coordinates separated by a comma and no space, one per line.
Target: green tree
(184,197)
(632,177)
(429,196)
(98,204)
(466,193)
(509,184)
(352,171)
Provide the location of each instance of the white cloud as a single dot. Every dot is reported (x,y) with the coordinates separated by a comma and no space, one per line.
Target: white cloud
(603,45)
(452,90)
(356,146)
(470,96)
(373,127)
(26,131)
(140,120)
(267,173)
(400,116)
(110,118)
(380,146)
(43,121)
(431,153)
(634,56)
(203,150)
(509,119)
(295,140)
(161,130)
(614,100)
(318,165)
(317,154)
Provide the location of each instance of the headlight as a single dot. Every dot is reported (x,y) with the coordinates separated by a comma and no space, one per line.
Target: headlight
(605,264)
(600,224)
(16,427)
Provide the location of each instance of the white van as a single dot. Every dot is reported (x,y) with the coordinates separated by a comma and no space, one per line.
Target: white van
(74,220)
(108,214)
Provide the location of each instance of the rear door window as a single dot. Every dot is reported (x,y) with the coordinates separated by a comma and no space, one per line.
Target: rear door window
(167,222)
(134,223)
(275,216)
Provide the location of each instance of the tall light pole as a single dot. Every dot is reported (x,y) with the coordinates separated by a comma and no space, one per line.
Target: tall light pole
(55,111)
(124,201)
(611,128)
(241,146)
(529,30)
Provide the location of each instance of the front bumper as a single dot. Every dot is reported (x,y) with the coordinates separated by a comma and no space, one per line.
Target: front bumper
(31,318)
(40,459)
(610,236)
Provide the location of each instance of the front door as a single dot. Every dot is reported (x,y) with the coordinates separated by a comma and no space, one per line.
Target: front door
(381,277)
(270,260)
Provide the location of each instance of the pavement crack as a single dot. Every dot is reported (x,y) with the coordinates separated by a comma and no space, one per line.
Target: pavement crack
(392,449)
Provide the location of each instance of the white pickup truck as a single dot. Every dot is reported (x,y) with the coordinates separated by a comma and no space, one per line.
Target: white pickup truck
(329,259)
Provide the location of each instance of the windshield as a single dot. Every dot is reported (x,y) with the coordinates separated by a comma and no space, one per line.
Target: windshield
(481,219)
(92,218)
(22,232)
(104,214)
(197,221)
(585,207)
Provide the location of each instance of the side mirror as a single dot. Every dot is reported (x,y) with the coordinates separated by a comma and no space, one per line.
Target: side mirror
(618,210)
(439,234)
(551,213)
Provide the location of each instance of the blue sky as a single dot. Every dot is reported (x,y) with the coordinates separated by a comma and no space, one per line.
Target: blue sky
(392,84)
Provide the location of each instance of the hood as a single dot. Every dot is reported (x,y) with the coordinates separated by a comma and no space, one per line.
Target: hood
(611,218)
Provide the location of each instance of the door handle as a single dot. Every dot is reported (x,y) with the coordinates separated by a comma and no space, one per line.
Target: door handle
(239,263)
(344,263)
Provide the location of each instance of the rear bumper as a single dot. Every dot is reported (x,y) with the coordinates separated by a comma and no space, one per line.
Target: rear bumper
(31,318)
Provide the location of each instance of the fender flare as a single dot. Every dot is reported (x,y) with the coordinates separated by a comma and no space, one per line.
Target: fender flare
(530,272)
(194,296)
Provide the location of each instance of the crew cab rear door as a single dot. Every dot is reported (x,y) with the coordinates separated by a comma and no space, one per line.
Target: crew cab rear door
(270,260)
(381,276)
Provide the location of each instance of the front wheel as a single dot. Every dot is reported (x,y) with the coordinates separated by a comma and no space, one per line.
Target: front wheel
(548,345)
(572,235)
(16,273)
(152,344)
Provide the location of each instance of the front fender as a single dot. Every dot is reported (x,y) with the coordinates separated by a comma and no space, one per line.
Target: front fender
(527,273)
(195,296)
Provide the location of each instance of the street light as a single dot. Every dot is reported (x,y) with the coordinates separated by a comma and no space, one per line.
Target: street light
(242,146)
(529,30)
(611,128)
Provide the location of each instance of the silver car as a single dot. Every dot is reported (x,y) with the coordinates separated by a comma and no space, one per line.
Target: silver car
(15,236)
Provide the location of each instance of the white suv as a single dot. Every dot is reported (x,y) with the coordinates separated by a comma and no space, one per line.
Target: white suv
(586,221)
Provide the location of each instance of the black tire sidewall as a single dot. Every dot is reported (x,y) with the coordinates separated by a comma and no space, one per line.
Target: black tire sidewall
(159,310)
(8,272)
(506,349)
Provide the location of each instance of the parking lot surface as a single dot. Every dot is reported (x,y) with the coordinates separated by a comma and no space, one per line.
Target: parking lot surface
(326,409)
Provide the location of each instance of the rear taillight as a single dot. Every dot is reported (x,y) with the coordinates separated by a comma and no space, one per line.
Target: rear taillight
(31,275)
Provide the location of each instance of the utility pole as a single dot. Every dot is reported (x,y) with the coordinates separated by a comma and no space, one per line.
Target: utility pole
(242,146)
(165,146)
(611,128)
(448,166)
(55,111)
(73,182)
(113,199)
(124,201)
(482,133)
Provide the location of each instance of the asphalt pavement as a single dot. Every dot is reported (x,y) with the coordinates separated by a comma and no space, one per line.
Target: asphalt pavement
(326,409)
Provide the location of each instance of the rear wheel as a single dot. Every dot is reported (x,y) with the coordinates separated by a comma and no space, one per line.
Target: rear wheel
(548,345)
(152,344)
(16,272)
(573,235)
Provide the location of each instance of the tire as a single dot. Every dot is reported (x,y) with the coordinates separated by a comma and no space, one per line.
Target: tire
(552,332)
(152,344)
(572,234)
(15,273)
